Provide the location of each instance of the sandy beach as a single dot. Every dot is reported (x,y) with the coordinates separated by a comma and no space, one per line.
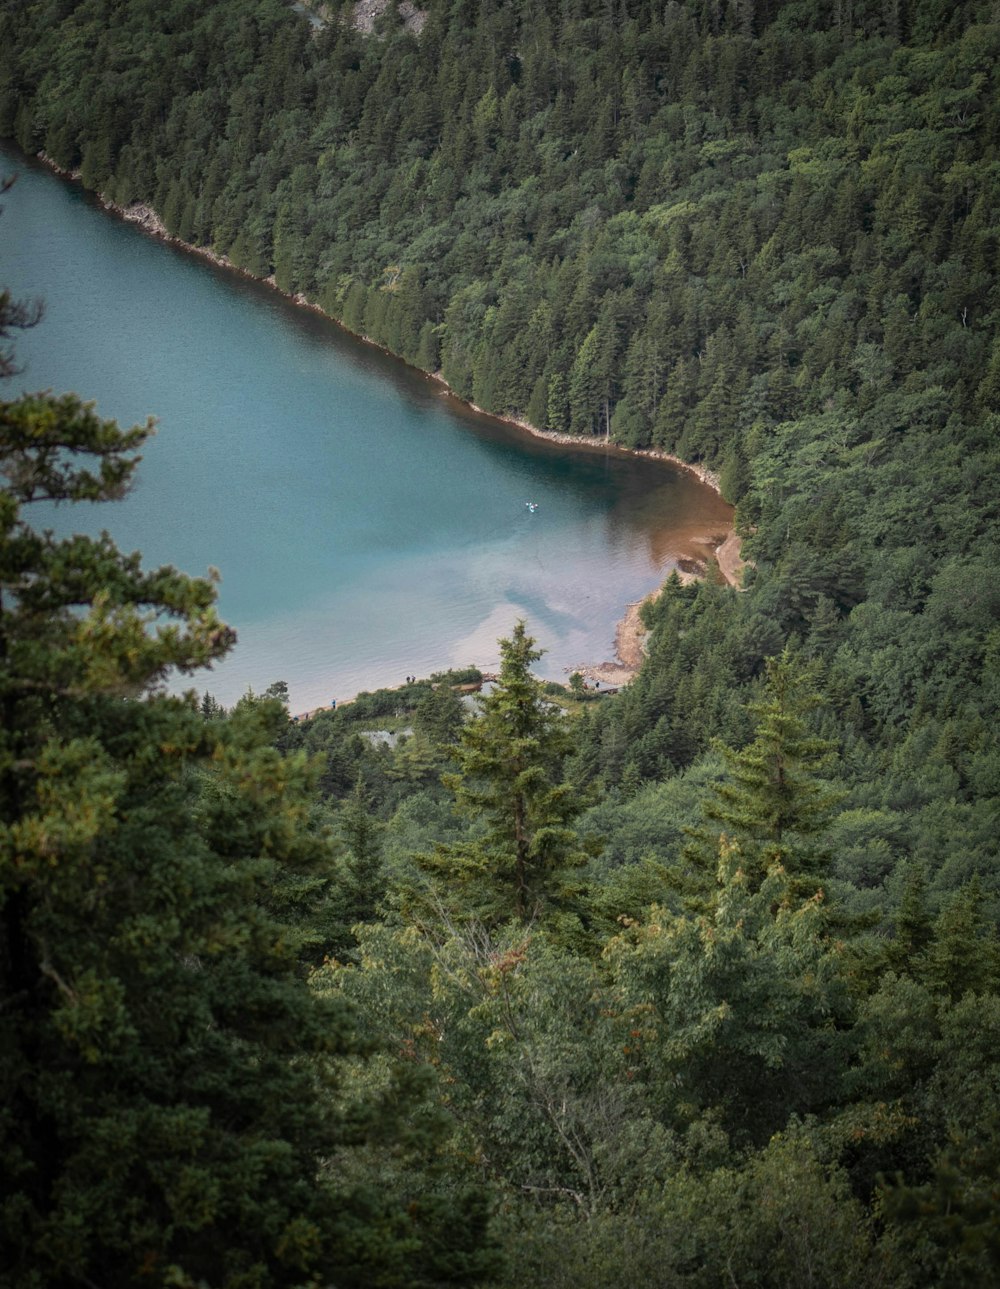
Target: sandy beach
(630,634)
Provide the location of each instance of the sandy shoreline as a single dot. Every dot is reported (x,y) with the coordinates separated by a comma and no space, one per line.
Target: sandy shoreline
(629,632)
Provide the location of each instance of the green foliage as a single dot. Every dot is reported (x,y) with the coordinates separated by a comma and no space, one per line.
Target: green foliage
(952,1219)
(170,1083)
(737,1009)
(786,1217)
(439,715)
(361,836)
(508,777)
(772,802)
(759,236)
(528,1053)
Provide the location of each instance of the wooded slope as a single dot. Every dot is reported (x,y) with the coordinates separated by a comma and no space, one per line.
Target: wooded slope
(739,1022)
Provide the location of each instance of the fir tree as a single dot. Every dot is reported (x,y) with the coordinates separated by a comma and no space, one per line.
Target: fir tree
(773,802)
(365,882)
(169,1082)
(509,779)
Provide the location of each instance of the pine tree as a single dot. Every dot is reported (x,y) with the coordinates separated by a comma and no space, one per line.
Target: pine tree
(509,778)
(169,1082)
(774,802)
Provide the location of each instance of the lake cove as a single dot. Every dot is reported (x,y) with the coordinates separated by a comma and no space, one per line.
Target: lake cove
(366,525)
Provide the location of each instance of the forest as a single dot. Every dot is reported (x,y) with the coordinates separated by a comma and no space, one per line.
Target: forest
(693,985)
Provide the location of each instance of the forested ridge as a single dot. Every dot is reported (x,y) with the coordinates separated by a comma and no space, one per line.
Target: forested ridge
(698,984)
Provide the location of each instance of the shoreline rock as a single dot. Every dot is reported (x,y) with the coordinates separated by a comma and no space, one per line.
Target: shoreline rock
(631,635)
(366,13)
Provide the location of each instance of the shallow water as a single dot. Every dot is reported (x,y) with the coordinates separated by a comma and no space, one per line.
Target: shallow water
(366,525)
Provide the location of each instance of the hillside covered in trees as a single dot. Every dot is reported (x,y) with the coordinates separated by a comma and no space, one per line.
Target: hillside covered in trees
(695,985)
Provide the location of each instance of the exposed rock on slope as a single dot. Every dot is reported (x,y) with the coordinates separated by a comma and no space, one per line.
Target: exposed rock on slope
(367,13)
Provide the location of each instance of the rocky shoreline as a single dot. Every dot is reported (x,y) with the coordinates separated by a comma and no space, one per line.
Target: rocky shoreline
(629,633)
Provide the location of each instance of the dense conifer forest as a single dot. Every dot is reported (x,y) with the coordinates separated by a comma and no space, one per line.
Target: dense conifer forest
(694,985)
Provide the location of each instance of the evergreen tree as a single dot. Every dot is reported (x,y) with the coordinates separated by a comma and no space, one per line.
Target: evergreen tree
(962,957)
(913,924)
(439,715)
(169,1082)
(509,779)
(365,884)
(773,802)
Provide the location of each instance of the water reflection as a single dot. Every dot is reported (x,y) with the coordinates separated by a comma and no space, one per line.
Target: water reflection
(367,525)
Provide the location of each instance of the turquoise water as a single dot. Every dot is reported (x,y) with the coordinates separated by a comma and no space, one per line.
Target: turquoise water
(366,525)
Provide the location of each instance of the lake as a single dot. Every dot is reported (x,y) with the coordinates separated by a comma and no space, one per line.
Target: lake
(367,526)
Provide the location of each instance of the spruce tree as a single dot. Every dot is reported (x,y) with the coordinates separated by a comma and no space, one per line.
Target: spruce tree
(170,1085)
(509,779)
(913,924)
(365,882)
(773,802)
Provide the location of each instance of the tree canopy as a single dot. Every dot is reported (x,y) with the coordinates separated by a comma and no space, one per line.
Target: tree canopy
(173,1091)
(699,983)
